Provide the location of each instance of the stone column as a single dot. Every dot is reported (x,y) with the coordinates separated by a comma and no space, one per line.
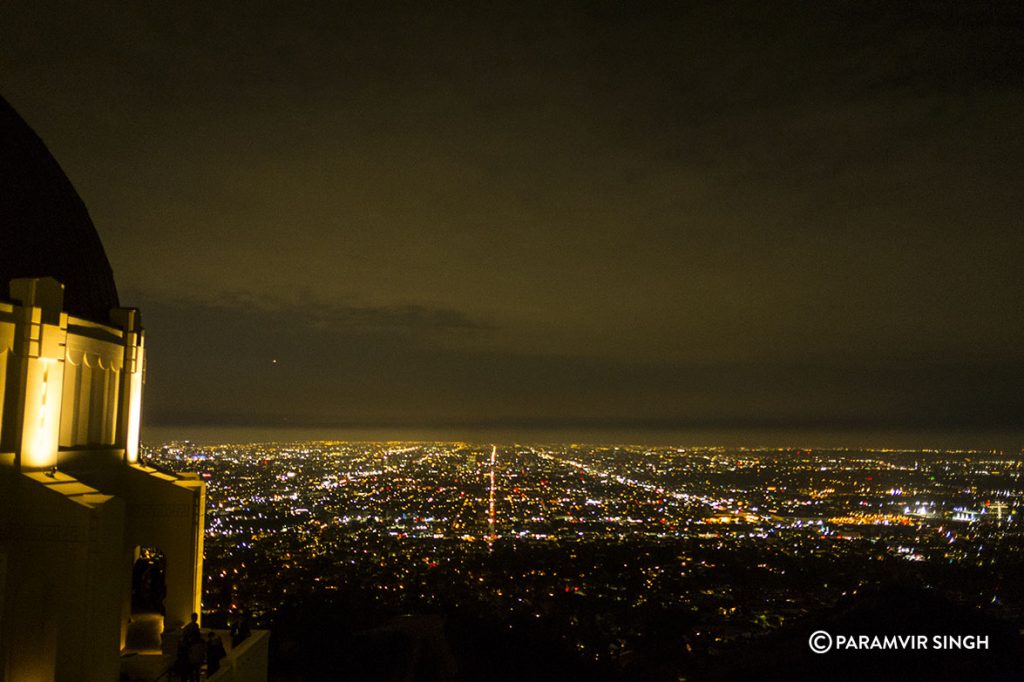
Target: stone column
(39,351)
(132,379)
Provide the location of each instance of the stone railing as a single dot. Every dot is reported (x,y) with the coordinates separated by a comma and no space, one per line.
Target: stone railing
(246,662)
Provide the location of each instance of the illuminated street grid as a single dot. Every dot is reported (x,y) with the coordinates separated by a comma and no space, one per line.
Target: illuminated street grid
(590,543)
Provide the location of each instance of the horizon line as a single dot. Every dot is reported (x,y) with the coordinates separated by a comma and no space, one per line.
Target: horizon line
(1005,440)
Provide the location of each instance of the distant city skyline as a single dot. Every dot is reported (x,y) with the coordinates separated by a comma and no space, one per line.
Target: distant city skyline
(1006,442)
(719,552)
(800,218)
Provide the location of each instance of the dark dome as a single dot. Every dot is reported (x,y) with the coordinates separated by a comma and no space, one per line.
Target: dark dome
(45,229)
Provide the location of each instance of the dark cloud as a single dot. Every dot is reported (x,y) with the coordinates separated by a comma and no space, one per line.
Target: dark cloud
(292,369)
(331,315)
(669,213)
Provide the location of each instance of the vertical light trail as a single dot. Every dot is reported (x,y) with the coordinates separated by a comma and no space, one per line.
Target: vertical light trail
(490,521)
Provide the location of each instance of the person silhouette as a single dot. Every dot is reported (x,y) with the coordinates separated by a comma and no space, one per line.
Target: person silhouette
(191,650)
(240,629)
(214,652)
(190,632)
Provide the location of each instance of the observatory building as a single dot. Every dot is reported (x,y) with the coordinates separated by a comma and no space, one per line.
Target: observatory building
(76,505)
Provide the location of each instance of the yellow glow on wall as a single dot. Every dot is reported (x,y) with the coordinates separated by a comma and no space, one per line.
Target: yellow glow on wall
(131,445)
(42,413)
(33,670)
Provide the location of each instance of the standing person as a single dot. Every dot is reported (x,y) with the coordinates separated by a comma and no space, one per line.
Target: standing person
(214,652)
(190,632)
(191,640)
(196,658)
(240,629)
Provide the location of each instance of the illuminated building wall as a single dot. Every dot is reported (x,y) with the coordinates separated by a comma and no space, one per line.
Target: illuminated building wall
(74,501)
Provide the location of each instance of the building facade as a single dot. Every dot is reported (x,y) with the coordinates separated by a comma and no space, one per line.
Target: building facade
(76,505)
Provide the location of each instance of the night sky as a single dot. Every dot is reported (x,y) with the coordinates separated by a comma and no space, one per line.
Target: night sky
(729,216)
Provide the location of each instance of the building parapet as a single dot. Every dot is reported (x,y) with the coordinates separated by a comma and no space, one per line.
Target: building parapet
(246,662)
